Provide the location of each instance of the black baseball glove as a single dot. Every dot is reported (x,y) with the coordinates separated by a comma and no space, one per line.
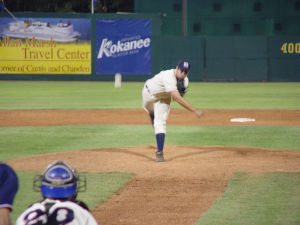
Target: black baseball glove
(181,88)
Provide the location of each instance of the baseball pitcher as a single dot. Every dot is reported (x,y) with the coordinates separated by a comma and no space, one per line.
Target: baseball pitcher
(157,95)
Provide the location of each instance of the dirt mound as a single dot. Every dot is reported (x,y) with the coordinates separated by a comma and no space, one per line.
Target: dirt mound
(177,191)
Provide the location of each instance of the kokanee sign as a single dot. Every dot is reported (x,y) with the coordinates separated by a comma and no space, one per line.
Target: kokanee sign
(123,46)
(109,49)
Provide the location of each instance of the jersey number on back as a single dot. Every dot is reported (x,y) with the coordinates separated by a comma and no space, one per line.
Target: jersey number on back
(59,216)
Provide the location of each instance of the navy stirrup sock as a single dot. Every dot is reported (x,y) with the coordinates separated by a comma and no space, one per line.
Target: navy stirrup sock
(160,140)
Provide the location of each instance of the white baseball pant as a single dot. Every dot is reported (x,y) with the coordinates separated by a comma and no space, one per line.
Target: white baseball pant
(160,108)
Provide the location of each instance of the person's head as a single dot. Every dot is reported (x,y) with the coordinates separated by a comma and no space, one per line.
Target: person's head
(182,69)
(59,181)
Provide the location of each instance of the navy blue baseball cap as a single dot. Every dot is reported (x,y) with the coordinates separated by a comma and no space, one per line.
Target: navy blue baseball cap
(184,65)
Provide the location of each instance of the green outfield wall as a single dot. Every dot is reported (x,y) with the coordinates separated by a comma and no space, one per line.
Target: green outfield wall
(226,17)
(229,57)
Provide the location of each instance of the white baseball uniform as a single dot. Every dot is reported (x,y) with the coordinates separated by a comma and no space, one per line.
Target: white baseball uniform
(157,97)
(60,212)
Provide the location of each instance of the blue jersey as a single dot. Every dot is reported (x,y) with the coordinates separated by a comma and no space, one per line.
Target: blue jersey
(8,186)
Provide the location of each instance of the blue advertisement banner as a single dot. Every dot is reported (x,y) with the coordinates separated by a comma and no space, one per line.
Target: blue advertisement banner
(123,46)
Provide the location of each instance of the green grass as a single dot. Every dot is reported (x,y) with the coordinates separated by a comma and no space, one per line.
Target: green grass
(245,95)
(101,95)
(26,141)
(100,186)
(269,198)
(68,95)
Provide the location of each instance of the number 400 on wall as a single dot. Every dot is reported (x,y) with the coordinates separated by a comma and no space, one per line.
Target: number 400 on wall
(290,48)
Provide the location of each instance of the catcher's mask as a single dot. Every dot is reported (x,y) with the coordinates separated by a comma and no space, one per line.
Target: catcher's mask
(59,181)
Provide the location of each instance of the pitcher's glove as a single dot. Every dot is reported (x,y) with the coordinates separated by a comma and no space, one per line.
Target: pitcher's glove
(181,87)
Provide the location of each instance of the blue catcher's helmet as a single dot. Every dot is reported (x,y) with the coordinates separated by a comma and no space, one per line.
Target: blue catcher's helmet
(59,181)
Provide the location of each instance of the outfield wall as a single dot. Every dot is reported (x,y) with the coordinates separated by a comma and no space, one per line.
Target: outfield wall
(213,58)
(230,17)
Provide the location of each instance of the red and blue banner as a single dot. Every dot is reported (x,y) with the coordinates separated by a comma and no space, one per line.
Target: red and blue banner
(123,46)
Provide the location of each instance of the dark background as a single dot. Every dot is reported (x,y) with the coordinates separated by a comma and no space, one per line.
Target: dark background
(70,6)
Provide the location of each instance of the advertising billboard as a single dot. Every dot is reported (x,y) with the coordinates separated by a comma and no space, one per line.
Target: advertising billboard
(123,46)
(45,46)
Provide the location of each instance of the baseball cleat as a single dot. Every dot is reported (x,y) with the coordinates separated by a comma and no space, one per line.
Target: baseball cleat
(160,157)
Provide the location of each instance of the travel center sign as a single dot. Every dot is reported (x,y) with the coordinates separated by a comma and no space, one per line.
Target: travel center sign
(32,56)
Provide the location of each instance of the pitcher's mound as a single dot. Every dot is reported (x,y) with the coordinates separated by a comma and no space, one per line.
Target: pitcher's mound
(177,191)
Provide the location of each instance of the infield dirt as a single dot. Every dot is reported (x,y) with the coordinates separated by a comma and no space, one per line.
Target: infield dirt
(177,191)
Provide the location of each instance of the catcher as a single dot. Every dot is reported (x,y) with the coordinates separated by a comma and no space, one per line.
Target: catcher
(157,94)
(59,185)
